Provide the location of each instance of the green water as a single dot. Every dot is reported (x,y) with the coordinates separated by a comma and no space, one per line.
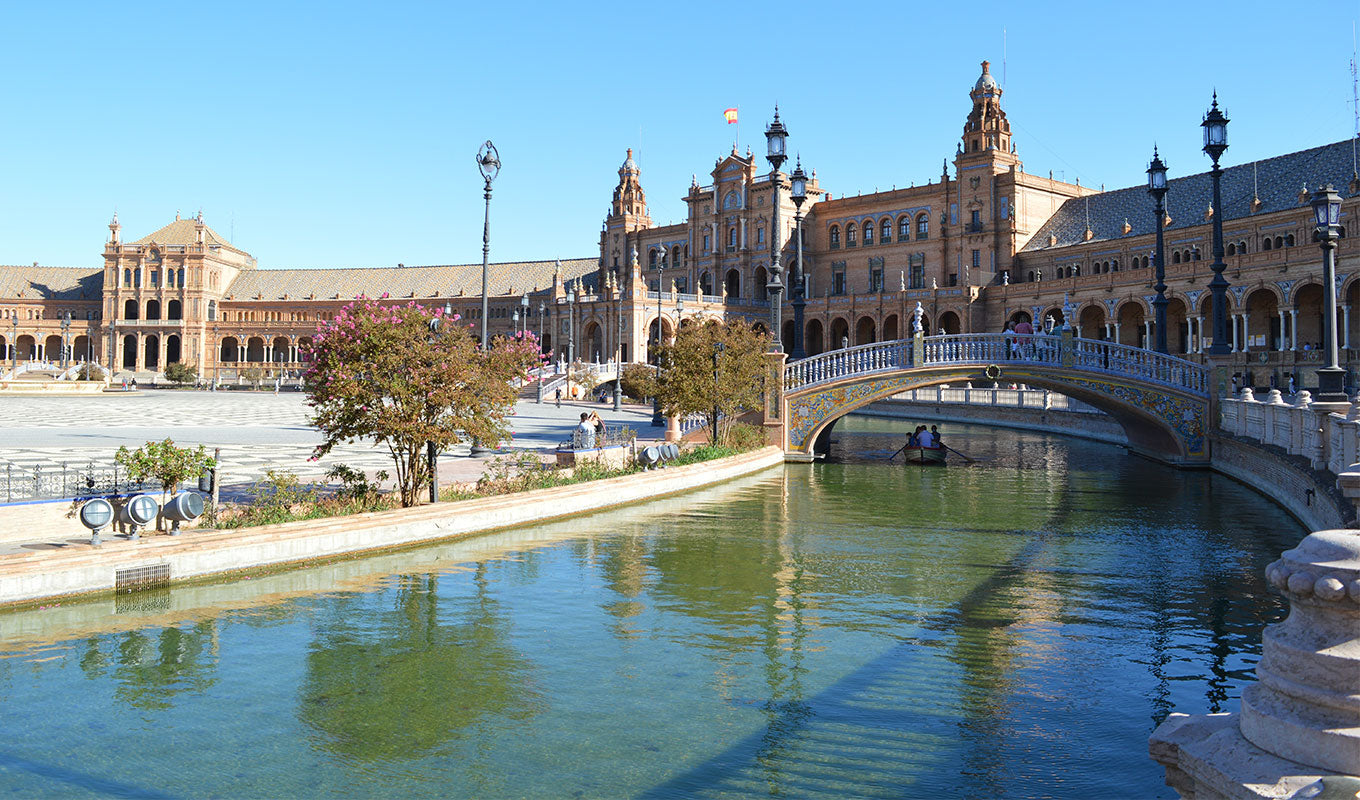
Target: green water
(1012,628)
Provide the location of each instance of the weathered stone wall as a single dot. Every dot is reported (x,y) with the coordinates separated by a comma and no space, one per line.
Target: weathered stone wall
(1310,495)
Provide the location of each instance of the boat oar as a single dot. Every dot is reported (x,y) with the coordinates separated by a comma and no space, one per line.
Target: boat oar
(957,453)
(895,452)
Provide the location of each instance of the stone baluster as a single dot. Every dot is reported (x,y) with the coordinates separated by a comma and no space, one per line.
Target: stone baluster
(1300,435)
(1247,398)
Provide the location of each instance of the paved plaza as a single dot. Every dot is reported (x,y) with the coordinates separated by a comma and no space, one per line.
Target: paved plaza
(256,431)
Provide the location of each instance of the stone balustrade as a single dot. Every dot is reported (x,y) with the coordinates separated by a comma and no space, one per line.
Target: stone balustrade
(1330,440)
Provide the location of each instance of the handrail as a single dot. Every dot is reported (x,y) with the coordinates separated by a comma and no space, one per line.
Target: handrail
(1086,355)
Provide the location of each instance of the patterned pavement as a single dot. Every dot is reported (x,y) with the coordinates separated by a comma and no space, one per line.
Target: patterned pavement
(256,431)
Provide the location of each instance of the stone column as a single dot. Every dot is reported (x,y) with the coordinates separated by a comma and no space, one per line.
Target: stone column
(1346,326)
(1116,334)
(1236,348)
(1293,329)
(1279,346)
(1147,331)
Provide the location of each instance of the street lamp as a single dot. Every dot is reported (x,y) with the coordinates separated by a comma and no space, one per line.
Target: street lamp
(542,312)
(775,139)
(1157,188)
(1215,142)
(14,346)
(65,339)
(657,419)
(515,318)
(1327,217)
(489,163)
(217,360)
(524,304)
(718,348)
(618,341)
(798,192)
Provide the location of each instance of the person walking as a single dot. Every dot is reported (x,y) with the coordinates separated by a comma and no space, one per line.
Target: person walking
(558,396)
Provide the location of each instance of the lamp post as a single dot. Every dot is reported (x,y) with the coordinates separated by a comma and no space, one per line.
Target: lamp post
(798,191)
(1157,188)
(14,346)
(65,339)
(657,419)
(718,348)
(776,136)
(515,318)
(524,313)
(618,343)
(1327,218)
(1215,142)
(542,312)
(489,163)
(571,334)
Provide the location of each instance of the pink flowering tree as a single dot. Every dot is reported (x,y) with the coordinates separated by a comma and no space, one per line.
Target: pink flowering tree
(404,375)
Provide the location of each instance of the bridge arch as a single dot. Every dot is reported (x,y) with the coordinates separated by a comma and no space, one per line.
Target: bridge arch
(1160,401)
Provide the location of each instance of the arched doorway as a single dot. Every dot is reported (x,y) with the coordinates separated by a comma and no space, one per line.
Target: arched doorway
(1131,324)
(840,334)
(1091,323)
(1019,317)
(1177,329)
(129,352)
(172,349)
(666,332)
(129,309)
(949,323)
(760,280)
(279,350)
(593,343)
(153,309)
(174,310)
(864,331)
(890,328)
(151,352)
(733,283)
(705,283)
(1308,303)
(27,348)
(51,350)
(1053,318)
(786,336)
(255,349)
(1263,322)
(812,339)
(82,348)
(229,351)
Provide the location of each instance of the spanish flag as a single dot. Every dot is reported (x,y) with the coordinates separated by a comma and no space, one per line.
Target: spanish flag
(730,115)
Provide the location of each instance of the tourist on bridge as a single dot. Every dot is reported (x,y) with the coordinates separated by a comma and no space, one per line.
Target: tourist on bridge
(1012,343)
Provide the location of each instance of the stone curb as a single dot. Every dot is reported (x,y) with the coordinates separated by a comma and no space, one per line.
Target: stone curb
(39,576)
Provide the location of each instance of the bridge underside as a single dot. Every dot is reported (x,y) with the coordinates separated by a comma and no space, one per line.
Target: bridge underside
(1160,422)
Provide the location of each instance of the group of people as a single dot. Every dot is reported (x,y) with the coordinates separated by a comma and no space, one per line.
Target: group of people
(921,437)
(589,431)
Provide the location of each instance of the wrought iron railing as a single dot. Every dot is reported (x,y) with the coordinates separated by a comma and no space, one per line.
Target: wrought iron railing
(613,436)
(69,482)
(1088,355)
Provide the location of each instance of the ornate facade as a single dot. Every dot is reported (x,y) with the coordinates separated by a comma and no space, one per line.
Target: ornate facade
(984,243)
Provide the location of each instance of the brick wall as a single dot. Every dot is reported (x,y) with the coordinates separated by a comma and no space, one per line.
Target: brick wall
(1285,479)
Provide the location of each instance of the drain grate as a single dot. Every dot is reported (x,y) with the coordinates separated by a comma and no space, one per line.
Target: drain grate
(143,577)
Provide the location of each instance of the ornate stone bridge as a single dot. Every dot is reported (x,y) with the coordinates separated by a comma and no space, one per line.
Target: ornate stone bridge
(1162,402)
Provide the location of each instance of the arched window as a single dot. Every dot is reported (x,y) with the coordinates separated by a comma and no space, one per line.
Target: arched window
(922,226)
(651,257)
(181,277)
(850,234)
(1266,244)
(130,309)
(885,231)
(835,237)
(731,200)
(173,310)
(1289,240)
(868,232)
(731,239)
(1176,257)
(1030,276)
(1279,242)
(1145,262)
(127,279)
(212,310)
(137,278)
(1232,249)
(675,256)
(904,229)
(1114,266)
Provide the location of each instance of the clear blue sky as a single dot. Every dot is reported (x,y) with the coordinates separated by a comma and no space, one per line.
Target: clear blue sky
(343,134)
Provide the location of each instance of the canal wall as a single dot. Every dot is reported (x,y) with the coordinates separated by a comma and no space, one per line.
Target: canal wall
(1311,495)
(73,568)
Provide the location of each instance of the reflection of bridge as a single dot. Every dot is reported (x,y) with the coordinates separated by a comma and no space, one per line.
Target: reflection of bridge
(1161,401)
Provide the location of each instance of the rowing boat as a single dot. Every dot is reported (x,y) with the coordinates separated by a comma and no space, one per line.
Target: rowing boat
(915,454)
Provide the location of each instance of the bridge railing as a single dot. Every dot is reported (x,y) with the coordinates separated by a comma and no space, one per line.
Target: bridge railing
(1000,348)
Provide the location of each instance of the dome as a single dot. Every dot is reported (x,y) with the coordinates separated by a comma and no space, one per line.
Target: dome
(986,83)
(629,165)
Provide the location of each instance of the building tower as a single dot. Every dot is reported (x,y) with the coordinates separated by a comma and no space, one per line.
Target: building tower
(627,214)
(987,127)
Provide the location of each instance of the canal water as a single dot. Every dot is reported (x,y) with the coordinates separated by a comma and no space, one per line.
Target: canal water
(1013,627)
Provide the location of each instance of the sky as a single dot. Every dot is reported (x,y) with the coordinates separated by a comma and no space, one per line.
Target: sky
(344,134)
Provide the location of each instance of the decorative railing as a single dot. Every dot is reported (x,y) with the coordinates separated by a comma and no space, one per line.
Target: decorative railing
(33,484)
(1329,441)
(1087,355)
(997,397)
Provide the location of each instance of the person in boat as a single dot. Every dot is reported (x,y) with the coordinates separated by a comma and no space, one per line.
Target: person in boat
(925,438)
(911,437)
(935,434)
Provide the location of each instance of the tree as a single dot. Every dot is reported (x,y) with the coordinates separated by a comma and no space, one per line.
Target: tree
(406,376)
(253,376)
(716,369)
(638,381)
(180,373)
(165,463)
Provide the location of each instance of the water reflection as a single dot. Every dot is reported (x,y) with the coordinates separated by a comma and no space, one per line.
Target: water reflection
(150,669)
(397,682)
